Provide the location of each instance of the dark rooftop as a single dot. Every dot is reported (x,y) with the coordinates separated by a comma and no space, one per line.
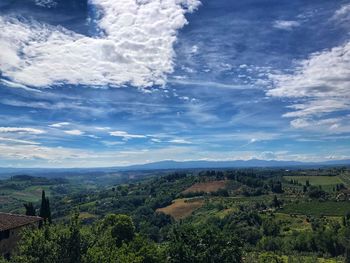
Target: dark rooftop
(10,221)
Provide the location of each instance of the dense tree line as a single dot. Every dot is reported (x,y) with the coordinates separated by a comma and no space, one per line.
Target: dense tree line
(115,239)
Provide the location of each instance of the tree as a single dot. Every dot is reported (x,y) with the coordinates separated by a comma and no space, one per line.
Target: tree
(73,241)
(275,202)
(346,241)
(189,244)
(121,226)
(39,246)
(307,183)
(270,228)
(30,210)
(270,258)
(277,187)
(45,211)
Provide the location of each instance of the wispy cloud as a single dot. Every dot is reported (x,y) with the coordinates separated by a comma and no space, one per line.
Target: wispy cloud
(180,141)
(59,124)
(342,15)
(126,135)
(17,141)
(74,132)
(286,24)
(210,84)
(319,85)
(21,130)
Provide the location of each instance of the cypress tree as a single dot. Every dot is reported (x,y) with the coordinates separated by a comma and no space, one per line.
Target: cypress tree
(30,210)
(276,203)
(42,212)
(45,211)
(48,210)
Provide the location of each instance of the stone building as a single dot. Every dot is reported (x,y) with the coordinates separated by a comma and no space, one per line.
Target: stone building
(10,228)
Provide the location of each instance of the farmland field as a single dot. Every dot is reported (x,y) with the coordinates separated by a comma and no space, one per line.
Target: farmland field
(345,177)
(206,187)
(182,208)
(316,180)
(316,208)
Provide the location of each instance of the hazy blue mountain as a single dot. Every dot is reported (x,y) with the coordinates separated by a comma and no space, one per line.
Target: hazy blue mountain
(167,165)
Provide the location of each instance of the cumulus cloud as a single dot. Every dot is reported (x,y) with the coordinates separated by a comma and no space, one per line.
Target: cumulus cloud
(125,135)
(136,47)
(320,86)
(285,24)
(74,132)
(20,130)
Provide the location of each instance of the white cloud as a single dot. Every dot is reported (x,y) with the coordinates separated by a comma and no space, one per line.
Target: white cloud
(32,152)
(211,84)
(74,132)
(156,140)
(320,86)
(17,85)
(46,3)
(342,14)
(136,48)
(252,140)
(21,130)
(327,125)
(109,143)
(102,128)
(126,135)
(59,124)
(285,24)
(180,141)
(17,141)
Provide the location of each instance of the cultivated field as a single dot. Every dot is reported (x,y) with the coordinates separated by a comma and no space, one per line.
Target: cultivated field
(181,208)
(316,180)
(316,208)
(345,177)
(206,187)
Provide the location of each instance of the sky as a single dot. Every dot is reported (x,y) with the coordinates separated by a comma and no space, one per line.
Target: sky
(95,83)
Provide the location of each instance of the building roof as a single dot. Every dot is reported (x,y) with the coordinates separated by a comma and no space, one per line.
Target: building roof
(11,221)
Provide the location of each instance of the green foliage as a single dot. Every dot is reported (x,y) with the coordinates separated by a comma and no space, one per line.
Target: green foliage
(270,258)
(30,210)
(111,240)
(346,242)
(121,227)
(317,208)
(271,228)
(188,244)
(260,214)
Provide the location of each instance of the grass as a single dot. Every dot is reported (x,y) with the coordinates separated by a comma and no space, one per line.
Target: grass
(86,215)
(315,208)
(290,224)
(182,208)
(316,180)
(206,187)
(345,177)
(252,258)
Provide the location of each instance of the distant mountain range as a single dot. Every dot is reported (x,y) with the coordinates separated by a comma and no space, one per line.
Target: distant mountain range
(229,164)
(171,165)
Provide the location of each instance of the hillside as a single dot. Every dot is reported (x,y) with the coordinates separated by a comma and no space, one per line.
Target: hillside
(272,213)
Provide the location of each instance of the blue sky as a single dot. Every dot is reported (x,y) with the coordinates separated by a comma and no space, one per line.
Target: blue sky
(106,83)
